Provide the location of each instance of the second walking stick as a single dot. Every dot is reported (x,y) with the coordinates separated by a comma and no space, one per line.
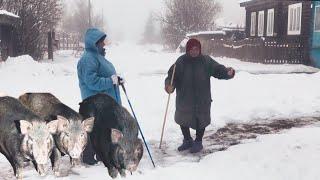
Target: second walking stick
(166,112)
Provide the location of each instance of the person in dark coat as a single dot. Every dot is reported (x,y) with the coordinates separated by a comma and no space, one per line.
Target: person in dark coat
(193,92)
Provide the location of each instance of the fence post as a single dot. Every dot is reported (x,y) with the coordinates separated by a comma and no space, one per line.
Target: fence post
(50,45)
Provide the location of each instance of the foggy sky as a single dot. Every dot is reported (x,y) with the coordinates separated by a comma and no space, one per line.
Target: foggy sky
(126,19)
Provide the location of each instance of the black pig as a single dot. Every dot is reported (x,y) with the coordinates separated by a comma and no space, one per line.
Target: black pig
(114,137)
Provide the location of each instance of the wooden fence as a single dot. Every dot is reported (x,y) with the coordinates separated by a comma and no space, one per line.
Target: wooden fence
(260,50)
(69,41)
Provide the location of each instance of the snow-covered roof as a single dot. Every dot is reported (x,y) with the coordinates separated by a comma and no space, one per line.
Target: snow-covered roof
(221,24)
(4,12)
(242,1)
(206,32)
(233,29)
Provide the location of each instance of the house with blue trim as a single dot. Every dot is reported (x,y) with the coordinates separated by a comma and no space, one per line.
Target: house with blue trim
(293,27)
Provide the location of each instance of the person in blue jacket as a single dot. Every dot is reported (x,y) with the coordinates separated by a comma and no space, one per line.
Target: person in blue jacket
(96,75)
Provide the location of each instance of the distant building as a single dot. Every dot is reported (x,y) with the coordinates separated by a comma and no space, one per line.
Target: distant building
(8,41)
(205,37)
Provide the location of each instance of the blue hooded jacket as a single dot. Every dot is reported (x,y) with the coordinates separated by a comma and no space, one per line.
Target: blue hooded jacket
(94,71)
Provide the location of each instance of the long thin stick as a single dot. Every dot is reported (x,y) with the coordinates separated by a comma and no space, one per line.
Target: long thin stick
(134,115)
(165,114)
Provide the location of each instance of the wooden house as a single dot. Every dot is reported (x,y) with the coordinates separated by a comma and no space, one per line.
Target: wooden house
(284,31)
(8,42)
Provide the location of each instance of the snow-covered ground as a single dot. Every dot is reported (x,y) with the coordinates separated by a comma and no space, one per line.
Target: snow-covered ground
(257,92)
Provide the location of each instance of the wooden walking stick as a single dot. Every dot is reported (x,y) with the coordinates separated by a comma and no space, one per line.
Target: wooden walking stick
(166,112)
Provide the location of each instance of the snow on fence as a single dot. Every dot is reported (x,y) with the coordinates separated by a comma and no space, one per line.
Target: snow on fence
(4,12)
(68,41)
(259,50)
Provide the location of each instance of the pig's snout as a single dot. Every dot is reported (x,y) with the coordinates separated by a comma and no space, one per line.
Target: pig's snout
(132,167)
(75,154)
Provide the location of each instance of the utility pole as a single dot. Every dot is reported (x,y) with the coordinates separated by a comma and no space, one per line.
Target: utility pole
(89,13)
(102,17)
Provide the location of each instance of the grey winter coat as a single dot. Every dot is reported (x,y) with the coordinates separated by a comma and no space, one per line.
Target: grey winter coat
(193,89)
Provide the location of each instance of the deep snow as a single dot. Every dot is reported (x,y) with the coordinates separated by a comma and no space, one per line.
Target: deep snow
(257,92)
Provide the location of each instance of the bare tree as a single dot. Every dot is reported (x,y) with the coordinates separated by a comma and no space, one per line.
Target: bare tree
(37,18)
(186,16)
(149,35)
(78,21)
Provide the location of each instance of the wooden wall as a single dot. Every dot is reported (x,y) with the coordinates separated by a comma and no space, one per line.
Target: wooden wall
(300,43)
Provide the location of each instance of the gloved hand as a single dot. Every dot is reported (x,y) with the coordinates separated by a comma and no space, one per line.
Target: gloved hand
(121,80)
(117,80)
(169,89)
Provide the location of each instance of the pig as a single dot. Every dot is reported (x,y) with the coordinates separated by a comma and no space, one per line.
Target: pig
(114,137)
(72,133)
(24,136)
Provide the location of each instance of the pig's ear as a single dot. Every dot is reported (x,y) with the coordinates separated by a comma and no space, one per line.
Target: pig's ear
(23,126)
(116,135)
(53,126)
(88,124)
(63,123)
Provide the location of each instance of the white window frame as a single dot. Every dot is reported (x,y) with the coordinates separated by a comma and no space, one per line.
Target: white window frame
(315,16)
(261,23)
(294,22)
(253,24)
(270,22)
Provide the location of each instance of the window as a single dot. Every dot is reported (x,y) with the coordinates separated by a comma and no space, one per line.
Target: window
(317,19)
(253,24)
(294,19)
(270,22)
(260,23)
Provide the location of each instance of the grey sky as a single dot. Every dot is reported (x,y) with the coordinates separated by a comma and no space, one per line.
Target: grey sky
(232,12)
(127,18)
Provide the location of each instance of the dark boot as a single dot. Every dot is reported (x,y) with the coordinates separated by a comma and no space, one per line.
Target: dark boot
(187,144)
(196,147)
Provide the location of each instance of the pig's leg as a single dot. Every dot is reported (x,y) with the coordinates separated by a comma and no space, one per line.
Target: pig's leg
(75,162)
(113,172)
(14,167)
(18,166)
(18,173)
(122,172)
(12,163)
(102,149)
(39,168)
(4,152)
(55,161)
